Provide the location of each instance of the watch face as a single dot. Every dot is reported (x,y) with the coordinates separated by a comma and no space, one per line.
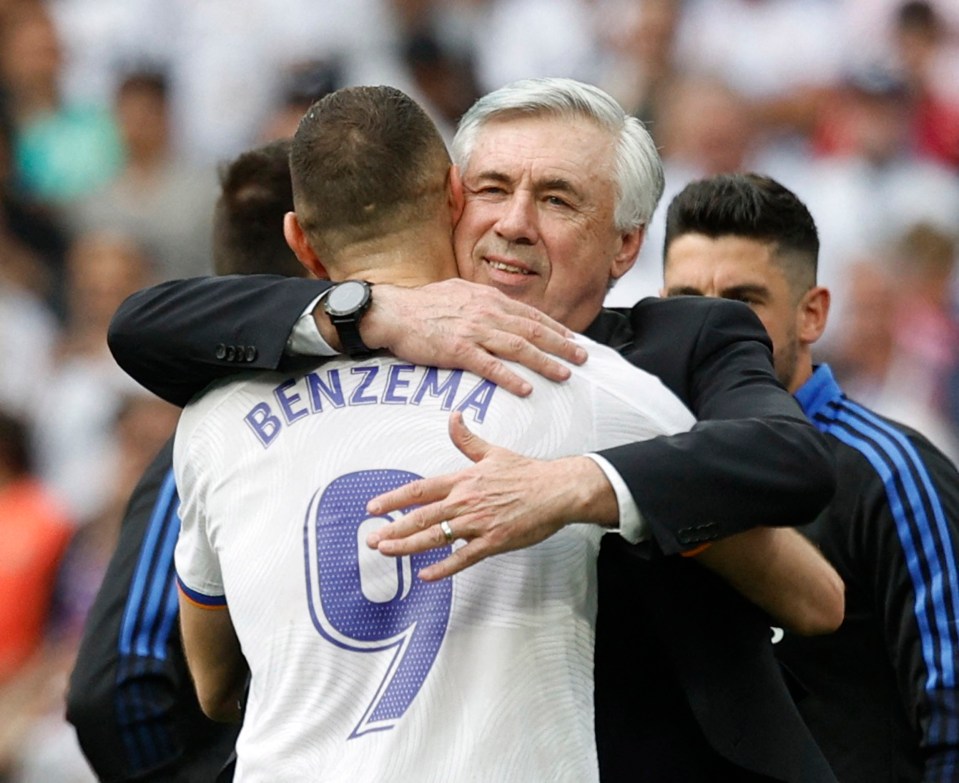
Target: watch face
(347,297)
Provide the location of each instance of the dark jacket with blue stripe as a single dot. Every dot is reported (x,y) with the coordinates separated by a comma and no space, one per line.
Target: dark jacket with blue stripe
(882,694)
(131,698)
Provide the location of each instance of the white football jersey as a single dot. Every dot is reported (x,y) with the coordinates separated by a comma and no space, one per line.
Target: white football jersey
(361,671)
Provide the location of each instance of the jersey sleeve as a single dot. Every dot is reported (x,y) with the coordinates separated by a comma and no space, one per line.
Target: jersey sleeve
(909,538)
(197,565)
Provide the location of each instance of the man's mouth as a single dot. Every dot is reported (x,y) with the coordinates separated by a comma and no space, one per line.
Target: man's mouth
(503,266)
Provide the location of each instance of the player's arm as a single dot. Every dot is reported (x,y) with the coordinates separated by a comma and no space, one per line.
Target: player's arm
(910,559)
(210,644)
(215,659)
(783,573)
(178,337)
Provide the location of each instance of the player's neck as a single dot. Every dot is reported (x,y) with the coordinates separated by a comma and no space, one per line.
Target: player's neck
(404,261)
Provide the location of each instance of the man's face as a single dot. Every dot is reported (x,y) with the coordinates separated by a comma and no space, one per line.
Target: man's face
(733,267)
(538,217)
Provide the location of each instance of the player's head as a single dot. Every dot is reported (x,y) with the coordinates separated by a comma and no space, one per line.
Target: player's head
(255,194)
(560,183)
(370,172)
(746,237)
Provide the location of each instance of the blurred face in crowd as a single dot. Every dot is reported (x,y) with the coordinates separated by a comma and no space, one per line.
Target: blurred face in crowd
(538,217)
(732,267)
(31,55)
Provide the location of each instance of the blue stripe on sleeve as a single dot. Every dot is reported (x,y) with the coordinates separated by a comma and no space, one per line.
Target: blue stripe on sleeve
(145,739)
(211,601)
(157,530)
(923,533)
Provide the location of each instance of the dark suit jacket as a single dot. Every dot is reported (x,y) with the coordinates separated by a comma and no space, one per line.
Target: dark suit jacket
(687,687)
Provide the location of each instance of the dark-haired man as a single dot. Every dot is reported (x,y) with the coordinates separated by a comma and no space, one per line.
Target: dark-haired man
(882,697)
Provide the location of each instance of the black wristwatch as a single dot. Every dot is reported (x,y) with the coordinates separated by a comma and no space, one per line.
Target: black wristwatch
(345,304)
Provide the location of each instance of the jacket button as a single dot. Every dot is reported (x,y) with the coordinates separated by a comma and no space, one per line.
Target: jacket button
(230,353)
(220,351)
(250,353)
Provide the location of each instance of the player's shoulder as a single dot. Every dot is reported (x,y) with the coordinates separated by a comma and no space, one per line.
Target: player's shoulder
(889,447)
(223,395)
(614,376)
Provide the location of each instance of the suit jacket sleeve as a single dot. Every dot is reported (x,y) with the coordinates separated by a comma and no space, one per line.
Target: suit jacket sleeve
(177,337)
(753,458)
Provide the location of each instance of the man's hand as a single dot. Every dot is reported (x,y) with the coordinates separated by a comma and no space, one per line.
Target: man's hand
(501,503)
(455,324)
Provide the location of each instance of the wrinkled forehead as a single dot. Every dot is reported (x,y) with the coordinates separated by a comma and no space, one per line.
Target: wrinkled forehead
(543,138)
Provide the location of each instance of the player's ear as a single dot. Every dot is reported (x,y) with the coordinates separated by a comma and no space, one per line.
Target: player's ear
(300,245)
(813,313)
(630,242)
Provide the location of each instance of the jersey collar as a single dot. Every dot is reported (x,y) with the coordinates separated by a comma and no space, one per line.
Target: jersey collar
(820,389)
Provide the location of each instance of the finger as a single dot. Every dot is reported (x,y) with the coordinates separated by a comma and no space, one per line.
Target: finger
(477,361)
(432,537)
(409,524)
(507,345)
(541,337)
(416,493)
(473,446)
(461,558)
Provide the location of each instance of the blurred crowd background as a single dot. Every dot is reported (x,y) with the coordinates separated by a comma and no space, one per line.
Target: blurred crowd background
(114,115)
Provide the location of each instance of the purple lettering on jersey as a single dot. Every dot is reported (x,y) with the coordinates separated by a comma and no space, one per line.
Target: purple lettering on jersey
(409,619)
(432,386)
(318,390)
(265,425)
(287,401)
(358,397)
(478,400)
(394,383)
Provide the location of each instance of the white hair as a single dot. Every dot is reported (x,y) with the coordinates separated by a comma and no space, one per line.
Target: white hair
(638,168)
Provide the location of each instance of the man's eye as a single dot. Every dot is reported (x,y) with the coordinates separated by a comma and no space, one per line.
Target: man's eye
(490,192)
(556,201)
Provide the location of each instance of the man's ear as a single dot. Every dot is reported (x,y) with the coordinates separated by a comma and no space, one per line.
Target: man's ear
(813,313)
(301,247)
(623,261)
(454,194)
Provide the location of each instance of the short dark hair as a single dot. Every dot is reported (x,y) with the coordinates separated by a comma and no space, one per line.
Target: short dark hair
(918,16)
(751,206)
(149,80)
(365,161)
(255,194)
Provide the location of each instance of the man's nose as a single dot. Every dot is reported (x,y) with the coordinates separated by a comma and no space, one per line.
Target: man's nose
(519,221)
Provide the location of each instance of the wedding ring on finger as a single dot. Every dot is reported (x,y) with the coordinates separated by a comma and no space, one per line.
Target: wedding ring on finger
(447,531)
